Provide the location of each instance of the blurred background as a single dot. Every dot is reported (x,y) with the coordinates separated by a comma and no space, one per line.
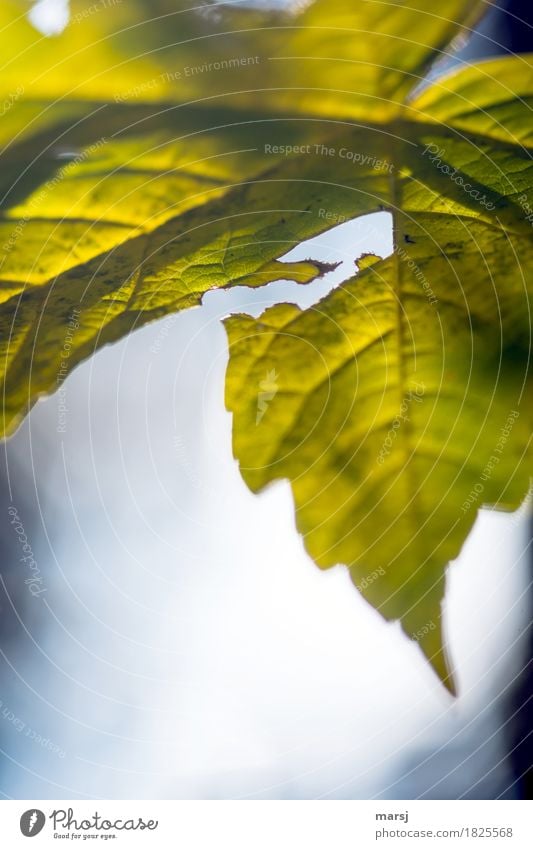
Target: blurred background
(182,644)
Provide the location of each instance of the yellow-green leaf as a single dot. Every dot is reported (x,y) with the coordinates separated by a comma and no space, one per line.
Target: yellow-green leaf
(154,151)
(120,199)
(394,391)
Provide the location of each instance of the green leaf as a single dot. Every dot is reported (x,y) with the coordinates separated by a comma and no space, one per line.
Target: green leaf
(321,58)
(134,172)
(403,401)
(152,153)
(492,99)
